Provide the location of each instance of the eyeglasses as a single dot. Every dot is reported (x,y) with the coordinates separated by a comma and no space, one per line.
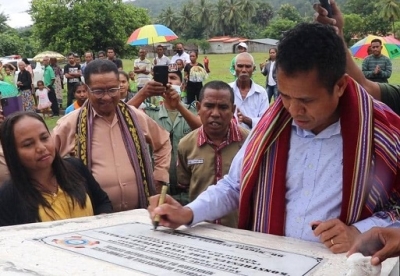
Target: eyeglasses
(99,93)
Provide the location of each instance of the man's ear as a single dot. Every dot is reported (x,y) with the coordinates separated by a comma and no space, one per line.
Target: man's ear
(198,106)
(341,85)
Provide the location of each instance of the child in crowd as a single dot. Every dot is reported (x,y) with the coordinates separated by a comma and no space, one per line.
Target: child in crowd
(43,99)
(125,90)
(8,75)
(181,66)
(132,82)
(80,94)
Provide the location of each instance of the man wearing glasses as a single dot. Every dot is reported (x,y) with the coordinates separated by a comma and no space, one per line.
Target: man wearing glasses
(251,99)
(111,138)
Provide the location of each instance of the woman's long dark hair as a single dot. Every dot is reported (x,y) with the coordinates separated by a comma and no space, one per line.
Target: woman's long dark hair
(69,180)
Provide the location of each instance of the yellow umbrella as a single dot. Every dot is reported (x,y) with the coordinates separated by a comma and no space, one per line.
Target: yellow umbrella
(50,54)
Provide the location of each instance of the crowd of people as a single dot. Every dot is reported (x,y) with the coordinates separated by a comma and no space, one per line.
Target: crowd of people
(321,163)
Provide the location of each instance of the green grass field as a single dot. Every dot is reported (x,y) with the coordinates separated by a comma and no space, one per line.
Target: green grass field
(219,66)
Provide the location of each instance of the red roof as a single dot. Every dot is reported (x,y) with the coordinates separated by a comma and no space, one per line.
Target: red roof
(227,39)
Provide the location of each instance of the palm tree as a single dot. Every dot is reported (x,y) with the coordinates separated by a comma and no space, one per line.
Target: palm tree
(218,17)
(233,14)
(202,13)
(168,18)
(185,16)
(249,8)
(390,9)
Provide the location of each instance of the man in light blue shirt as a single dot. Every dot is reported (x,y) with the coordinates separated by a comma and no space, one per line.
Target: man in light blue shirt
(322,163)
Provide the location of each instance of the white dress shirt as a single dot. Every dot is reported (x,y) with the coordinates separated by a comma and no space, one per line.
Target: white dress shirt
(254,105)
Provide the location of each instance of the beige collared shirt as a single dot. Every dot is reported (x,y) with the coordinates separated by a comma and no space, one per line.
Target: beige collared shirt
(110,162)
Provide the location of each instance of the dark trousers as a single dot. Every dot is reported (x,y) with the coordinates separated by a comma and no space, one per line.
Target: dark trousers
(70,93)
(272,91)
(54,103)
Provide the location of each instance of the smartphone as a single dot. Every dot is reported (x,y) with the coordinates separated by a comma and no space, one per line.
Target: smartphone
(161,74)
(326,4)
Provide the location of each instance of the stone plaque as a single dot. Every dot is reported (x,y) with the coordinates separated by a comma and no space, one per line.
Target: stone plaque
(166,252)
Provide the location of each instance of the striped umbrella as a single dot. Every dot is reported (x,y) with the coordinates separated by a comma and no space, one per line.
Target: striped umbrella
(151,34)
(390,47)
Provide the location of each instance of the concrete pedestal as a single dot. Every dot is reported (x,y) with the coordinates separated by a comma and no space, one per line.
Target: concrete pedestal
(21,255)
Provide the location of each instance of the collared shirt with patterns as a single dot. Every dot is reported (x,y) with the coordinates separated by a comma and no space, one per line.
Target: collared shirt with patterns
(200,166)
(142,78)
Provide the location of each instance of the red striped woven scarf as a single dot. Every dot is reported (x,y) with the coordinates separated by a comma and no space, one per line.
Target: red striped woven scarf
(371,150)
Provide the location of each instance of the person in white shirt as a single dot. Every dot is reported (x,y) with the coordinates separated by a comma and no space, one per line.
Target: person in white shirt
(142,69)
(303,172)
(251,99)
(180,54)
(161,59)
(269,71)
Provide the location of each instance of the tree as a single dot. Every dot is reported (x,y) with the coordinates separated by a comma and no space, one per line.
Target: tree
(361,7)
(80,25)
(248,7)
(287,11)
(373,24)
(3,23)
(389,9)
(168,18)
(233,15)
(10,44)
(278,27)
(202,12)
(354,27)
(185,17)
(263,15)
(218,23)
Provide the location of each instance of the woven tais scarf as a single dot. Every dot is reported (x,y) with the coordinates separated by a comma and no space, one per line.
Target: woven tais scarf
(371,150)
(134,142)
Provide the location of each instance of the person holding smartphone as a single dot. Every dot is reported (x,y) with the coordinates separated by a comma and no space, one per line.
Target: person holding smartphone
(173,115)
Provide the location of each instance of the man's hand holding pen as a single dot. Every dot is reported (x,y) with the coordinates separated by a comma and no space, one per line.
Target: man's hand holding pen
(172,214)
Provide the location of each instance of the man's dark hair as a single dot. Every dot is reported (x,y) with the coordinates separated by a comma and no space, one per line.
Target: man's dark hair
(71,54)
(312,46)
(99,66)
(217,85)
(160,46)
(376,40)
(101,53)
(70,181)
(178,73)
(110,48)
(26,61)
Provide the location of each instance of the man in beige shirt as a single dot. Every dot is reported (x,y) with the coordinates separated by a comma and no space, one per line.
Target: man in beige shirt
(205,154)
(111,141)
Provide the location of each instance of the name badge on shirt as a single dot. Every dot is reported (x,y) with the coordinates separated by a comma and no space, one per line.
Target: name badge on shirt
(195,161)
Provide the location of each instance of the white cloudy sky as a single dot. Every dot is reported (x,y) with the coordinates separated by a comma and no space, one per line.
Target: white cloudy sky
(16,11)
